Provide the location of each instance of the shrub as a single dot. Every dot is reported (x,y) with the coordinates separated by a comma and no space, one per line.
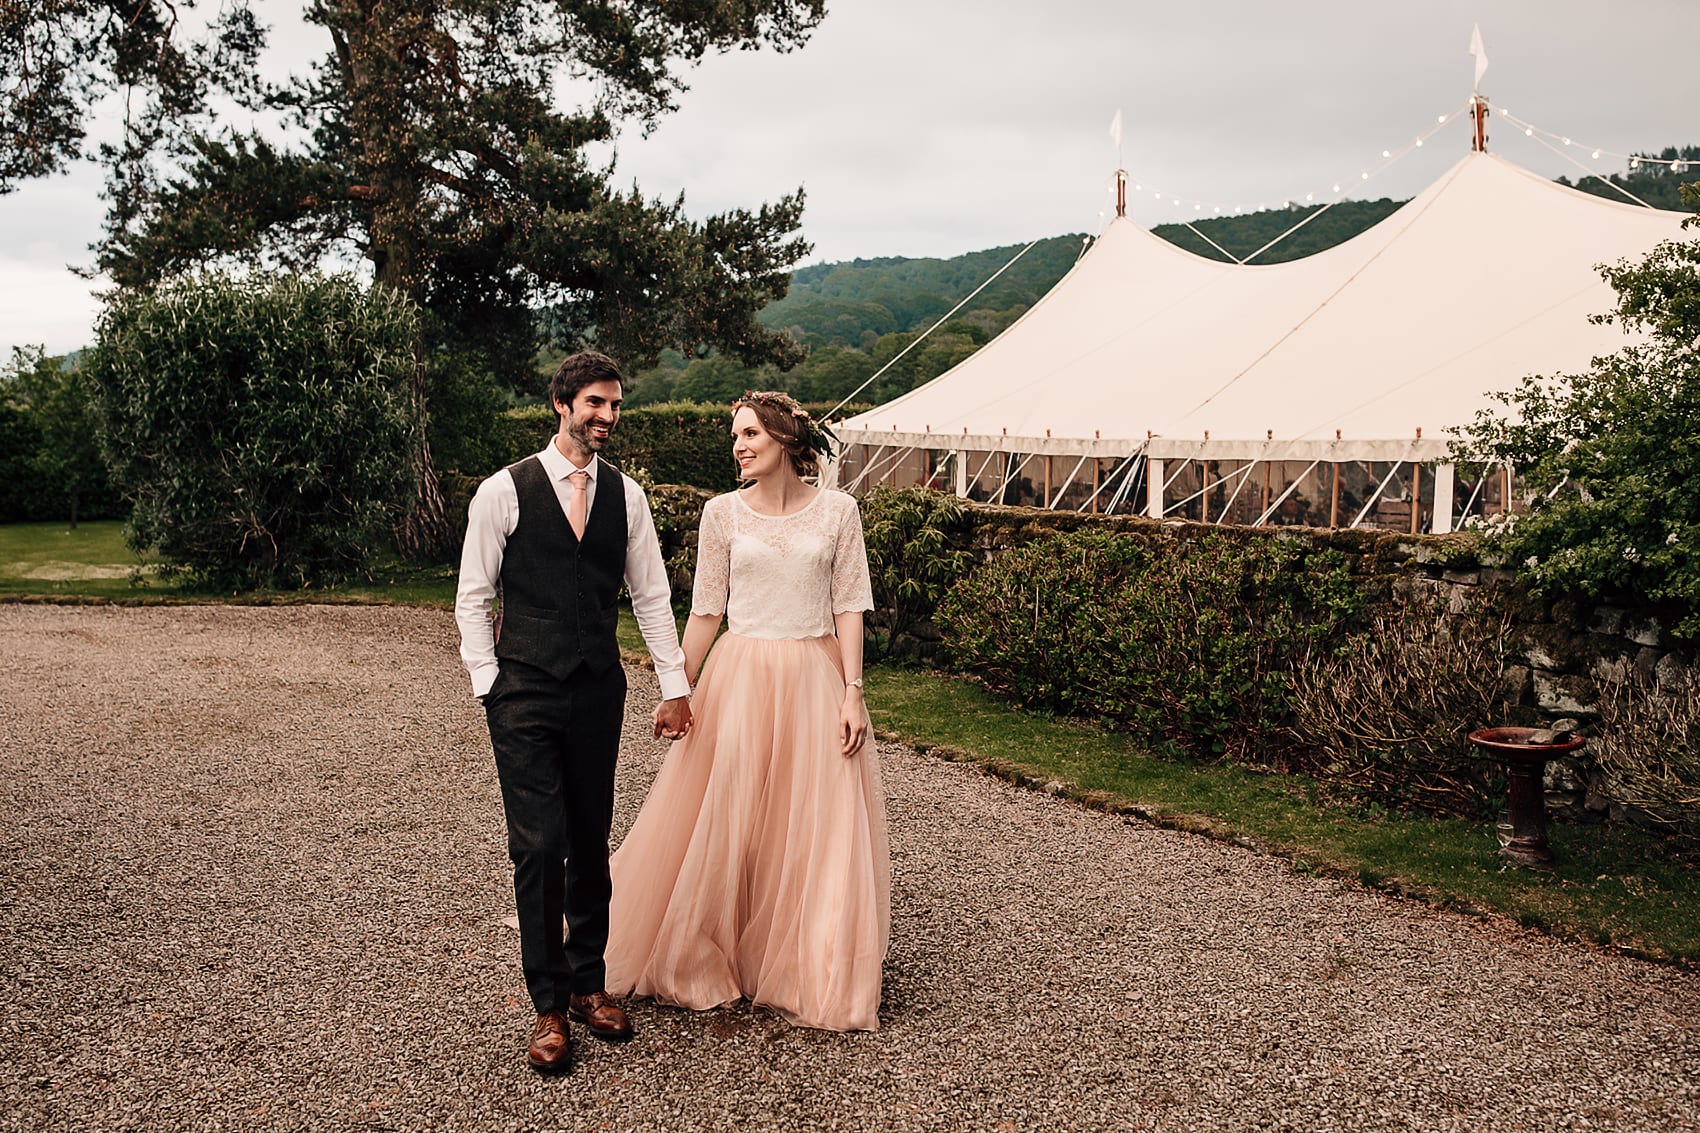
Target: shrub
(51,466)
(262,426)
(915,539)
(1191,644)
(1386,714)
(1610,456)
(1649,745)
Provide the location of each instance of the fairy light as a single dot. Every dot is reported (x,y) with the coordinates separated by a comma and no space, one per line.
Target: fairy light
(1388,157)
(1636,160)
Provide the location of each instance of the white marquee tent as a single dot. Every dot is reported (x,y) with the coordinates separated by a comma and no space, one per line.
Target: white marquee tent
(1151,379)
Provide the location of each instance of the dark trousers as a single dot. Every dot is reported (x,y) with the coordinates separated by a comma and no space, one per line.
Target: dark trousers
(556,742)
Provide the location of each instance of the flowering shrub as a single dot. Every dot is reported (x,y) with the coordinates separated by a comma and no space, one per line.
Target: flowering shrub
(1611,457)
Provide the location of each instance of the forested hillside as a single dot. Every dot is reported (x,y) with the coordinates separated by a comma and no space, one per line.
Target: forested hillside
(858,315)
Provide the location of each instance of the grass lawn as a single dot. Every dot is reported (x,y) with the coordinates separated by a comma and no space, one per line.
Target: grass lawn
(92,563)
(1612,885)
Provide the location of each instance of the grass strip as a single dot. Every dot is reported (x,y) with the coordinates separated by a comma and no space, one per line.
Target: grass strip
(1614,886)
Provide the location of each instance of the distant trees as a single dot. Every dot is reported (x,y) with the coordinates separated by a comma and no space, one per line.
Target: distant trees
(1657,183)
(51,466)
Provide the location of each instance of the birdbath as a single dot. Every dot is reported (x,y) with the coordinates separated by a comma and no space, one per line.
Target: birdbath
(1525,765)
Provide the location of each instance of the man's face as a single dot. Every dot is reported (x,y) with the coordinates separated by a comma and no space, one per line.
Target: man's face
(586,423)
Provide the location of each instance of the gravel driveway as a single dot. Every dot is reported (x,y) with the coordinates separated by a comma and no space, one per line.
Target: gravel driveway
(254,877)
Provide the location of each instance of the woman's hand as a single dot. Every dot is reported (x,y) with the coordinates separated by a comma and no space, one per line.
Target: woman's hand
(852,721)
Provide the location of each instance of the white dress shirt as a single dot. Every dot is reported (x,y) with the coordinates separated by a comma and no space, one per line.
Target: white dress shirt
(492,517)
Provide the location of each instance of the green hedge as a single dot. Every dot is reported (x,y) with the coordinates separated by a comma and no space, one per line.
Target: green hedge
(1192,641)
(680,442)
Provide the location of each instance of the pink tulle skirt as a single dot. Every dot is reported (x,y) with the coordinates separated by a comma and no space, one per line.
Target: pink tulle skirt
(759,867)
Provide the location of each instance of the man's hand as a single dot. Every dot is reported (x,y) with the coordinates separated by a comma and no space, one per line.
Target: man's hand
(673,718)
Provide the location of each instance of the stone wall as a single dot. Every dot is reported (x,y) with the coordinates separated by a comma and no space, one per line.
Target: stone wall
(1562,645)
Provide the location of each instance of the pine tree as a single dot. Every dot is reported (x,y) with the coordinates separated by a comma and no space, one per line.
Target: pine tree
(430,141)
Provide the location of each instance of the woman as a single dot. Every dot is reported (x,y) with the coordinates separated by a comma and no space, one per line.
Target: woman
(758,867)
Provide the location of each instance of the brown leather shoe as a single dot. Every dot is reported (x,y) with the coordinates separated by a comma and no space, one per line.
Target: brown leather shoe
(551,1050)
(605,1018)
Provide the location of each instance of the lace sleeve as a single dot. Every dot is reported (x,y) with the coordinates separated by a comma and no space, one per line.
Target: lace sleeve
(714,562)
(851,589)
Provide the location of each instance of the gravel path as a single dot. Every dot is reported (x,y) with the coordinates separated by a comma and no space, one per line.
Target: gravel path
(254,877)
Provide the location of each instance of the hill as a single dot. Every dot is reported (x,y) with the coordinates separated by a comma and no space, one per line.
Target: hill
(857,315)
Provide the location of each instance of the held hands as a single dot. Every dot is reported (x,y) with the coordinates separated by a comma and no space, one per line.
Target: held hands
(673,718)
(852,721)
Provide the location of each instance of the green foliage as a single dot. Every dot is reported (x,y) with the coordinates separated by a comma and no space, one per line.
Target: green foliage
(915,547)
(836,304)
(52,466)
(467,402)
(674,443)
(1190,641)
(1245,234)
(1386,714)
(261,426)
(1611,457)
(486,209)
(1658,185)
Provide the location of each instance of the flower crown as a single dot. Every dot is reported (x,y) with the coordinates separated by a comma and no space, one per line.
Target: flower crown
(817,438)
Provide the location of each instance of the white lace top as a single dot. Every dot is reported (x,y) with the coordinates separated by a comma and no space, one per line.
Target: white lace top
(781,577)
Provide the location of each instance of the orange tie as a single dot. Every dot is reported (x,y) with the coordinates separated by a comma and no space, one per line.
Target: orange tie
(578,504)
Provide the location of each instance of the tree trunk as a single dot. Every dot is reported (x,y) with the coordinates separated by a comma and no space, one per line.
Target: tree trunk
(425,536)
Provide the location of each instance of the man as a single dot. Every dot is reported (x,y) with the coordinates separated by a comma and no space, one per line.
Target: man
(554,535)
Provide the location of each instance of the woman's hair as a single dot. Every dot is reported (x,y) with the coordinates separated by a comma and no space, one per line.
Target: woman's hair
(789,423)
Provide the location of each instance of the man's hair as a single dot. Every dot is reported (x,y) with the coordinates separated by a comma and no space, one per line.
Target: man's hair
(576,371)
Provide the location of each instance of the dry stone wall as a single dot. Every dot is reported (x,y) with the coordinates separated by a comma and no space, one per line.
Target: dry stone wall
(1563,645)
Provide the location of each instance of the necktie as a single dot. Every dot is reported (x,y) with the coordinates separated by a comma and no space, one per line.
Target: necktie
(578,504)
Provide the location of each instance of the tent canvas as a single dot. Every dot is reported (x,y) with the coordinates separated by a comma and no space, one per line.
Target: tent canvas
(1369,351)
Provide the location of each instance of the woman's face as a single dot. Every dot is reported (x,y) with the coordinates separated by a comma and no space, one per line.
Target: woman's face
(753,447)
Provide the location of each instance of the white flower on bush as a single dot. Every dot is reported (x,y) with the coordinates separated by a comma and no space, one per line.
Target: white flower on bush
(1630,554)
(1532,562)
(1670,540)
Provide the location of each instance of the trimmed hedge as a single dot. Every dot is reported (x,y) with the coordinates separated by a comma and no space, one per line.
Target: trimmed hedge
(679,442)
(1190,640)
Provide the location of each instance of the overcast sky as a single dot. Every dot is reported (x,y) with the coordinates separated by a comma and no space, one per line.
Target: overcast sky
(936,127)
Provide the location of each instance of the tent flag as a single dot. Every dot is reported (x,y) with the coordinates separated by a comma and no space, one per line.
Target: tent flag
(1480,54)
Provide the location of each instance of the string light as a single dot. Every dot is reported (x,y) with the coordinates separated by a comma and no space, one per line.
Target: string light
(1635,160)
(1391,155)
(1388,156)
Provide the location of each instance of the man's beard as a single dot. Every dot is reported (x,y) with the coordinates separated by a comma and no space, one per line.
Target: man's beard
(580,432)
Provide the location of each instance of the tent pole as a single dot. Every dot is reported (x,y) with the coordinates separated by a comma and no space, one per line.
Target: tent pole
(1265,509)
(1416,495)
(1441,520)
(959,472)
(1154,489)
(1072,473)
(1047,476)
(1505,499)
(1334,497)
(1376,496)
(1097,483)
